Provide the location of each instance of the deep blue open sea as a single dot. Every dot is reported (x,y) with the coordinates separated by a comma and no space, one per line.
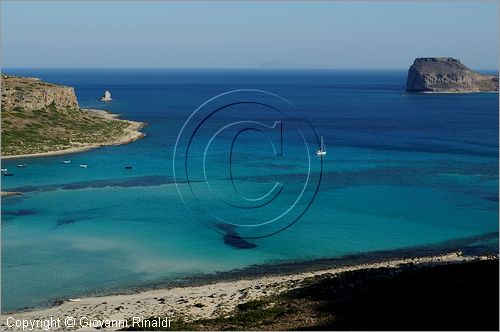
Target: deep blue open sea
(403,171)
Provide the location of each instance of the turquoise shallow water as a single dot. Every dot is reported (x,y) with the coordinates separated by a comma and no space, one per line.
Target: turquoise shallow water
(402,171)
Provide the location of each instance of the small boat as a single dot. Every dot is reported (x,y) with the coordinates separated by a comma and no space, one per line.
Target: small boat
(21,165)
(128,167)
(83,165)
(322,149)
(4,170)
(7,174)
(66,161)
(74,300)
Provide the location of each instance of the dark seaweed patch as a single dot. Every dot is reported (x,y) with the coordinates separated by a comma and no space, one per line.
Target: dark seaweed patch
(18,212)
(144,181)
(65,221)
(273,166)
(233,239)
(491,198)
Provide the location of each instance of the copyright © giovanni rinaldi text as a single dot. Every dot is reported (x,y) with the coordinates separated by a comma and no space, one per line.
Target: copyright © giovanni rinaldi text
(53,323)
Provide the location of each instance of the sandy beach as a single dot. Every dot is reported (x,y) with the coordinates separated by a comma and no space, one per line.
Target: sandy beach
(204,301)
(132,133)
(9,193)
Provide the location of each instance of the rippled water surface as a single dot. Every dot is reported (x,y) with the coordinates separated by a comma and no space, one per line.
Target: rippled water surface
(402,170)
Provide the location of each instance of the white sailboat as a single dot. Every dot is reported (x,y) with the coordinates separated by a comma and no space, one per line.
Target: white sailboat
(322,149)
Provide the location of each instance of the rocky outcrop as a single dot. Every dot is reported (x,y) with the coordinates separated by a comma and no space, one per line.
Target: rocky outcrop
(447,75)
(30,94)
(40,118)
(106,96)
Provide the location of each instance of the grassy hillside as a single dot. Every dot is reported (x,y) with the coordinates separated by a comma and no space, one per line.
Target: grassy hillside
(40,117)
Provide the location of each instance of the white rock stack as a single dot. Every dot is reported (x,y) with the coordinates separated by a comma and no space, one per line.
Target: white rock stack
(107,96)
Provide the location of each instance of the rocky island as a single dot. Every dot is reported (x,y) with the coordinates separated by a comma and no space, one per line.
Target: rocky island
(447,75)
(106,96)
(40,118)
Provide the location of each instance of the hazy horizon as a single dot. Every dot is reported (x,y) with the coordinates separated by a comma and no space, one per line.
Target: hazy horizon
(229,68)
(247,35)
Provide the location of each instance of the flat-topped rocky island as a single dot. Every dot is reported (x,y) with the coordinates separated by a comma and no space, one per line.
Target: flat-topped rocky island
(447,75)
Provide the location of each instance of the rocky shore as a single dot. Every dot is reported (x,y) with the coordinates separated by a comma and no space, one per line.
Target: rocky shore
(220,305)
(44,119)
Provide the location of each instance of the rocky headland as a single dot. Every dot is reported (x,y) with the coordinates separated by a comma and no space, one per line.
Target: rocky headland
(40,118)
(447,75)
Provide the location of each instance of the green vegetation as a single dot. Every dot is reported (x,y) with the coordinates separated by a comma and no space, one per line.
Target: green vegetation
(50,129)
(249,315)
(269,313)
(254,315)
(30,124)
(454,296)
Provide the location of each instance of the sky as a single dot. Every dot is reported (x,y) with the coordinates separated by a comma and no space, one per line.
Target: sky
(246,34)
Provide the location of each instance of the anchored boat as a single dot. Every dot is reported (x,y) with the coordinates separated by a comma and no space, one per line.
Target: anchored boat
(322,149)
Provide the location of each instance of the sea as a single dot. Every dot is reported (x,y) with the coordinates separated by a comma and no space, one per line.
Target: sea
(229,180)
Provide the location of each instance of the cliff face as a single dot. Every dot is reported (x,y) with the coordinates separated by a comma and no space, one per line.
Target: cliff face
(447,75)
(31,94)
(41,117)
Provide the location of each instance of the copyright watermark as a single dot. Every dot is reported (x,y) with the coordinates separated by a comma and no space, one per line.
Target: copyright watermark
(245,163)
(85,322)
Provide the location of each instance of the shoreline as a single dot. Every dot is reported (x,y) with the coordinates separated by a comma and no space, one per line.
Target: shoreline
(209,300)
(467,246)
(132,133)
(450,92)
(10,193)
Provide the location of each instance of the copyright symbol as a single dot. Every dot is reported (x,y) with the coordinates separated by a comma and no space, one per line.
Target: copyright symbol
(70,321)
(245,163)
